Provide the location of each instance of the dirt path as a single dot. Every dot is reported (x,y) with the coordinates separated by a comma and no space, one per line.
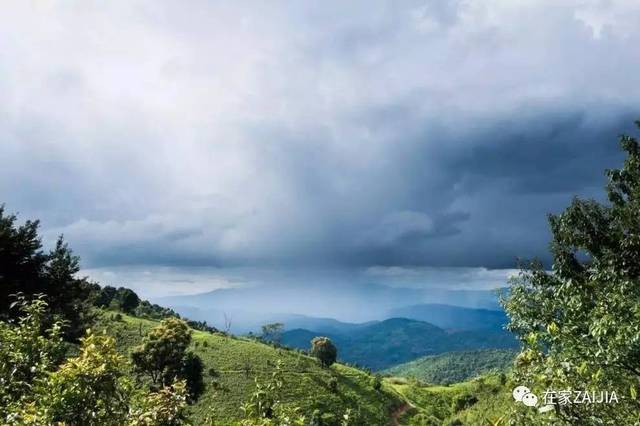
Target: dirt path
(395,417)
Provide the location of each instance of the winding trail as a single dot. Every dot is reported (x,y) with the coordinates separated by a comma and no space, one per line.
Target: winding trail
(395,417)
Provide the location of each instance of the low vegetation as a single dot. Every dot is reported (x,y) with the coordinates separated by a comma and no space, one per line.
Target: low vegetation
(452,367)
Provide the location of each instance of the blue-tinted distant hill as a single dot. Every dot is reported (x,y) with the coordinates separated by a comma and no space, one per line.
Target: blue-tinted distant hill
(398,340)
(349,303)
(453,317)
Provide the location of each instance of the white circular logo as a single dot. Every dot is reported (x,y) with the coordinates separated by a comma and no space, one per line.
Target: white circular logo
(530,400)
(519,392)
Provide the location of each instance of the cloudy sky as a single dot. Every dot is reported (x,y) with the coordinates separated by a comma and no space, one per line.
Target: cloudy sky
(171,142)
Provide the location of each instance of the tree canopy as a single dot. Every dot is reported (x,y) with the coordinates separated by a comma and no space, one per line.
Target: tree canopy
(324,349)
(579,323)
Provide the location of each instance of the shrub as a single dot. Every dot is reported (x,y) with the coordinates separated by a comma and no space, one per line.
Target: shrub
(462,402)
(324,350)
(191,372)
(333,385)
(376,382)
(162,351)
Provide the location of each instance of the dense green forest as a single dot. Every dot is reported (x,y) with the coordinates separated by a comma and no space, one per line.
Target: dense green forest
(454,367)
(75,353)
(398,340)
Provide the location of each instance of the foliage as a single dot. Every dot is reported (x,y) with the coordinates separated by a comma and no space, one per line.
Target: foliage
(191,370)
(324,349)
(26,268)
(105,296)
(127,299)
(370,345)
(165,407)
(264,407)
(88,389)
(163,357)
(22,261)
(463,401)
(481,401)
(580,323)
(452,367)
(27,353)
(272,332)
(333,385)
(306,381)
(162,350)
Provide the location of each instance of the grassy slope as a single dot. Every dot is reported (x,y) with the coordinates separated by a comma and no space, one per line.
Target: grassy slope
(454,367)
(436,402)
(237,361)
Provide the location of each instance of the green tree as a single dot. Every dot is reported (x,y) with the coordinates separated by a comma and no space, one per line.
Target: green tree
(162,350)
(165,407)
(324,349)
(128,300)
(163,357)
(26,268)
(22,260)
(38,388)
(90,389)
(191,370)
(68,296)
(28,352)
(273,332)
(105,296)
(580,322)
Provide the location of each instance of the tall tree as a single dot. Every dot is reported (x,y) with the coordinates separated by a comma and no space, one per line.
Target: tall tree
(25,268)
(127,299)
(69,297)
(22,260)
(580,322)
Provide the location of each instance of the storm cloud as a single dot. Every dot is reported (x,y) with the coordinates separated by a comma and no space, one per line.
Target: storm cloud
(334,134)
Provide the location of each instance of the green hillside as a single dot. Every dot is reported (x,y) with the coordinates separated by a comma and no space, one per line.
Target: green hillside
(395,341)
(232,365)
(454,367)
(485,400)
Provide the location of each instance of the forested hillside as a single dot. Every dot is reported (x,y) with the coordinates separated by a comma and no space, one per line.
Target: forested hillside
(398,340)
(454,367)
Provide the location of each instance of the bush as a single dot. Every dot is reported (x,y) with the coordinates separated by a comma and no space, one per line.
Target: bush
(88,389)
(376,382)
(191,372)
(462,402)
(424,420)
(162,351)
(324,350)
(333,385)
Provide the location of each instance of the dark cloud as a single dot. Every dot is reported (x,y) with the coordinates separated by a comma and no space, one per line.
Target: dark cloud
(347,134)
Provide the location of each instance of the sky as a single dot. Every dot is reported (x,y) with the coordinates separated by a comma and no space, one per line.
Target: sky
(181,147)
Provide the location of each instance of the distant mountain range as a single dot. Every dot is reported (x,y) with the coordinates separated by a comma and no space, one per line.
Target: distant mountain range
(453,317)
(250,307)
(394,341)
(375,326)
